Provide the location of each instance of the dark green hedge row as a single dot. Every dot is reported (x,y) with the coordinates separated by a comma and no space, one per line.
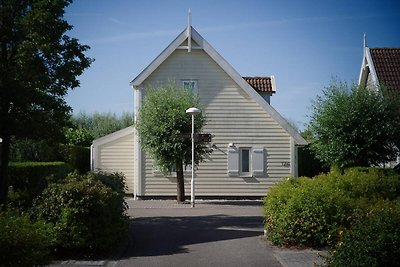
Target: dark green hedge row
(41,151)
(29,179)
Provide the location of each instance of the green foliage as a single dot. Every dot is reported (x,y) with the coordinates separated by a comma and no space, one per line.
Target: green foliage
(23,242)
(354,127)
(39,64)
(77,157)
(312,212)
(162,118)
(86,213)
(99,124)
(29,179)
(33,150)
(373,241)
(305,212)
(78,137)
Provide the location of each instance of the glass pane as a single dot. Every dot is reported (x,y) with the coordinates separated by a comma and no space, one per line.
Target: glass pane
(245,160)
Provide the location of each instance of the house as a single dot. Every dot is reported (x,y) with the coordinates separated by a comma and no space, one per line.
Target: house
(254,147)
(380,69)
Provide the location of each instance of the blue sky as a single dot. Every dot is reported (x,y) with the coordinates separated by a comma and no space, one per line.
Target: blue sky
(303,43)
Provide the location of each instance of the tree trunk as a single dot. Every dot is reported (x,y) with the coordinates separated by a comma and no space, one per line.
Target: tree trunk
(4,158)
(180,182)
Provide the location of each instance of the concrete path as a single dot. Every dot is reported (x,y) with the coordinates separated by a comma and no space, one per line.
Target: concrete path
(214,233)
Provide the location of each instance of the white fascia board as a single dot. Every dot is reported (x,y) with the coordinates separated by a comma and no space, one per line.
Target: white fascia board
(113,136)
(159,59)
(273,83)
(299,140)
(371,67)
(362,79)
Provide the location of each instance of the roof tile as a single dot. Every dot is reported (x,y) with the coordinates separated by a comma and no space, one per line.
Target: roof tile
(260,84)
(387,67)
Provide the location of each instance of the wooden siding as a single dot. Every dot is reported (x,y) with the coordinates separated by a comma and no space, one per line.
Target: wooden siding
(117,156)
(232,117)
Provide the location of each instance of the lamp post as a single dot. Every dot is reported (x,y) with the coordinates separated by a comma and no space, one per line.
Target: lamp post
(192,111)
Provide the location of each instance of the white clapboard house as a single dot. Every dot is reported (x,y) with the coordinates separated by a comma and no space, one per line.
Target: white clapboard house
(254,147)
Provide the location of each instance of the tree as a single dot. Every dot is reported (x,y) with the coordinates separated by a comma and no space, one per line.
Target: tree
(101,124)
(39,63)
(162,119)
(354,126)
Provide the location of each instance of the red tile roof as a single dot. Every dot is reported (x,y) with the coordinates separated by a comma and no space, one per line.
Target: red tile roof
(387,66)
(260,84)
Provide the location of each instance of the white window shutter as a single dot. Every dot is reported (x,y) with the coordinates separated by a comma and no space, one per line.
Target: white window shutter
(257,161)
(233,161)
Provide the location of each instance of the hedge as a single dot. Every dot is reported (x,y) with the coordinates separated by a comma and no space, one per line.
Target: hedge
(29,179)
(312,212)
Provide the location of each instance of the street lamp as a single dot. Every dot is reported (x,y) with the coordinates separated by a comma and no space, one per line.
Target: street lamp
(192,111)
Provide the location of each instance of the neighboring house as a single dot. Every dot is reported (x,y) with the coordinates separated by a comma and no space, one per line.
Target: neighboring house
(254,147)
(380,69)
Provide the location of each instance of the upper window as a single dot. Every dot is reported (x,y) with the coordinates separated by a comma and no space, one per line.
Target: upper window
(244,161)
(190,85)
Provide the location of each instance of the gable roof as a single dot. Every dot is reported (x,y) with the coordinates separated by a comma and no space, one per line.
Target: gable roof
(113,136)
(387,66)
(383,64)
(261,84)
(189,33)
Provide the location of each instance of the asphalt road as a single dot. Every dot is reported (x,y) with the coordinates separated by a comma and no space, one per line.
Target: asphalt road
(214,233)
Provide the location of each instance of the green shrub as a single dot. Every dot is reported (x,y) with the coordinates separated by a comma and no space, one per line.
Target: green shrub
(371,183)
(373,241)
(23,242)
(312,212)
(87,215)
(29,179)
(305,212)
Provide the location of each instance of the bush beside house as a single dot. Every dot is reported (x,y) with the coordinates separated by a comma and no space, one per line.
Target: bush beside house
(87,214)
(82,214)
(333,209)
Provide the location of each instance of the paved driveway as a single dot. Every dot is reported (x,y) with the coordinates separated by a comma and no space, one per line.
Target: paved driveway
(214,233)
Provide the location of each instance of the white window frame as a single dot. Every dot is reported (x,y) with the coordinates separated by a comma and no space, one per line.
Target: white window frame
(191,85)
(247,173)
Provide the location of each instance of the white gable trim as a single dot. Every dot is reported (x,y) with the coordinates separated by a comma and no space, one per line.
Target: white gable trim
(160,59)
(113,136)
(299,140)
(367,66)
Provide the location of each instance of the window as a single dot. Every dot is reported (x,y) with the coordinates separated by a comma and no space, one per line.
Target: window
(244,161)
(190,85)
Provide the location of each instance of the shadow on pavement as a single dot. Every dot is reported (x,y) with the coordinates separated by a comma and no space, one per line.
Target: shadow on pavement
(155,236)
